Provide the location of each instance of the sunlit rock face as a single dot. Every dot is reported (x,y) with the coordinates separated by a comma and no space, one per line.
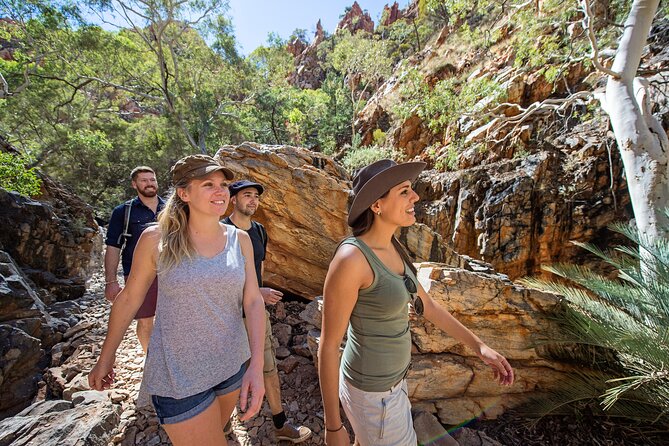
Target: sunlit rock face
(303,208)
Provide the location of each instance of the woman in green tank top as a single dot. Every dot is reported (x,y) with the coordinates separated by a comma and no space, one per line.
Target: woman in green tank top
(368,286)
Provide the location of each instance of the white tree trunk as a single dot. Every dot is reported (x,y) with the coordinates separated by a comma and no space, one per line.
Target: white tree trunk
(641,139)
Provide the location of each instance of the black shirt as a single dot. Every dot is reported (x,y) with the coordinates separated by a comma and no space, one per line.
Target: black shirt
(140,218)
(259,241)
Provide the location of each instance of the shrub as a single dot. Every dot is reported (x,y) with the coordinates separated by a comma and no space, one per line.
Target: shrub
(14,175)
(626,318)
(358,157)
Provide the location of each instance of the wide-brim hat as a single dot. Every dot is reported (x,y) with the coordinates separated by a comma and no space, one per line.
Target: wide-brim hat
(373,181)
(197,166)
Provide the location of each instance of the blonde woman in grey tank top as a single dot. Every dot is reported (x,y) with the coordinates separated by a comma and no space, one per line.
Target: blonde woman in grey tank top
(369,285)
(200,360)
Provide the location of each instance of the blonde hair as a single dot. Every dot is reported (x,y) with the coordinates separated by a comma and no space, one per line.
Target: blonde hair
(175,244)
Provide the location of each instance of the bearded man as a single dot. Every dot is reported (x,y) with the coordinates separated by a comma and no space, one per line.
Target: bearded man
(127,222)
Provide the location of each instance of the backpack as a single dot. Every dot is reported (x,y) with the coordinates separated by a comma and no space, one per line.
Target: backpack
(125,235)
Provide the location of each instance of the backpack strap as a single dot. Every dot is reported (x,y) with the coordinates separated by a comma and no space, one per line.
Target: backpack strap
(125,235)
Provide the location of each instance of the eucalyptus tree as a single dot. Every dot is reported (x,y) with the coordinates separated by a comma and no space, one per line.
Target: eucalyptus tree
(197,84)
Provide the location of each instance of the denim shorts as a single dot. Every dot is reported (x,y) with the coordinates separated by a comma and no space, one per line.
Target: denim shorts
(174,410)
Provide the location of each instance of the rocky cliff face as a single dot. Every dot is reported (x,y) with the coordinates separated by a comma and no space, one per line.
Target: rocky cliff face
(48,248)
(53,238)
(519,214)
(308,73)
(514,196)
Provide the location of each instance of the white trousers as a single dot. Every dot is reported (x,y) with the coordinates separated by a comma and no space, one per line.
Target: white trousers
(379,418)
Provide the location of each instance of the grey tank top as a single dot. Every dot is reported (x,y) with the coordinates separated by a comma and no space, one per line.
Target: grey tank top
(378,348)
(199,339)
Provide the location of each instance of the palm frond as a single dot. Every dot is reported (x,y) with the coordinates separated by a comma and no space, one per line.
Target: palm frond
(623,323)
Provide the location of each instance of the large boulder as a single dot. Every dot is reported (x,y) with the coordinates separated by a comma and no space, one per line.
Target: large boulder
(446,378)
(87,422)
(303,208)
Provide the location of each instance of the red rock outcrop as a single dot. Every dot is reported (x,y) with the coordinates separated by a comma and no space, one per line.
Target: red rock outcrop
(356,20)
(308,73)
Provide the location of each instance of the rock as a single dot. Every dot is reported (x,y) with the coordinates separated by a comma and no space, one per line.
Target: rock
(356,20)
(76,385)
(282,352)
(20,357)
(44,407)
(85,397)
(308,72)
(84,425)
(520,214)
(82,326)
(312,313)
(288,364)
(391,14)
(55,238)
(430,432)
(282,333)
(471,437)
(294,211)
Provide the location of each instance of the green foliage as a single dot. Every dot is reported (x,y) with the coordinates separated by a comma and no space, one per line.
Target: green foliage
(363,64)
(379,137)
(358,157)
(445,105)
(15,176)
(628,316)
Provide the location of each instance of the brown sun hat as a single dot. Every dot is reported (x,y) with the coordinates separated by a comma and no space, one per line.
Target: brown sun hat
(197,166)
(371,182)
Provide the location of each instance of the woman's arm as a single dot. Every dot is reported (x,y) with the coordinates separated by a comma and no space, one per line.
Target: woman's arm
(443,319)
(347,274)
(254,309)
(126,305)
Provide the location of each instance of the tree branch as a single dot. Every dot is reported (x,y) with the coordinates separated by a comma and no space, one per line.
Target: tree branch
(587,25)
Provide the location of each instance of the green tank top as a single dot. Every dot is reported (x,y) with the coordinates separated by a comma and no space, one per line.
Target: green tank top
(378,349)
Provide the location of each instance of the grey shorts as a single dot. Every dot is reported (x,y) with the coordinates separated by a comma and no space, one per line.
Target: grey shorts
(379,418)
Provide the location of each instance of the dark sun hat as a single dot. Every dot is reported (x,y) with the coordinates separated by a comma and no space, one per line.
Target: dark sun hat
(371,182)
(237,186)
(197,166)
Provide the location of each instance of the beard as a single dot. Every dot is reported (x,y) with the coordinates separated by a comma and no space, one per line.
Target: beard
(148,192)
(247,211)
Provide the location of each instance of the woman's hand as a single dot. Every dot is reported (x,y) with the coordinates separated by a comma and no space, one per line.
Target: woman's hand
(339,438)
(102,375)
(252,385)
(500,366)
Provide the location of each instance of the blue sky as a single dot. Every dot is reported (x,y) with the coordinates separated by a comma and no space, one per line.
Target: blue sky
(254,19)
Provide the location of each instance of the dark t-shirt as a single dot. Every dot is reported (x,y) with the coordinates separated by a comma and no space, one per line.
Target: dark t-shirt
(140,218)
(259,244)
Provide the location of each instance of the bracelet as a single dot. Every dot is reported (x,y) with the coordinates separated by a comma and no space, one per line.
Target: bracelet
(335,430)
(111,281)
